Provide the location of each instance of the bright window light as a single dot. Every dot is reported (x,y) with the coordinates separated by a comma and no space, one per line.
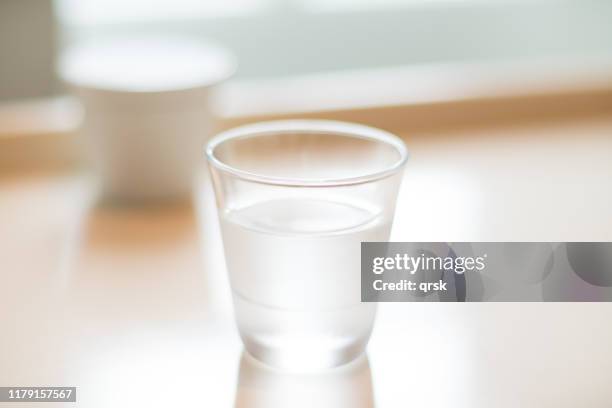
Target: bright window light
(353,5)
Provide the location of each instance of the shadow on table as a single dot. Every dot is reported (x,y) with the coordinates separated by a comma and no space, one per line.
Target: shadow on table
(260,386)
(140,229)
(139,263)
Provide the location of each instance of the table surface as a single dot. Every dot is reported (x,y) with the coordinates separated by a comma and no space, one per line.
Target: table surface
(132,305)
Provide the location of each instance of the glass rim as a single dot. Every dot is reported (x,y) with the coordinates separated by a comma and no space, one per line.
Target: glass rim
(308,126)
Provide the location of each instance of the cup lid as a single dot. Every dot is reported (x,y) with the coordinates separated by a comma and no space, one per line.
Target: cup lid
(145,65)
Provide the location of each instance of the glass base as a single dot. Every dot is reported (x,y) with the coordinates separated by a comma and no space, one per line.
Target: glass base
(304,340)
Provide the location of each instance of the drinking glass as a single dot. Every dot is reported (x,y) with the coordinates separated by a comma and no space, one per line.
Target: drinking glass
(295,200)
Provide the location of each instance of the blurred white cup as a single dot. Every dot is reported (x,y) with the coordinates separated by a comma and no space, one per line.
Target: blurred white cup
(147,110)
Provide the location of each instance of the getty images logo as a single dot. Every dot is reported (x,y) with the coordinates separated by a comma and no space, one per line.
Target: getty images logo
(413,264)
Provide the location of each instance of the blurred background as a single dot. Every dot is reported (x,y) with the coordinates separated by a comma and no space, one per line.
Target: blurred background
(314,55)
(275,38)
(287,37)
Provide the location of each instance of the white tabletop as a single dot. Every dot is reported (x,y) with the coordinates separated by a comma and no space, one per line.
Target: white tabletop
(132,306)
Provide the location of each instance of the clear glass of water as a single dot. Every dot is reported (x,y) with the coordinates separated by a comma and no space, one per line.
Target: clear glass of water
(295,200)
